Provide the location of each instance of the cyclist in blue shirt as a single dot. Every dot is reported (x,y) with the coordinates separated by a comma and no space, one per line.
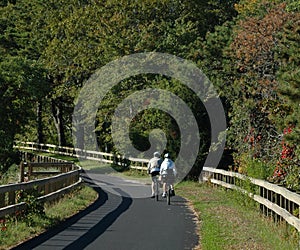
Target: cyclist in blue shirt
(167,172)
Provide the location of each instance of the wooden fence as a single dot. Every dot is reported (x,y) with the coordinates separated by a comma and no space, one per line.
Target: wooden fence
(274,200)
(129,162)
(45,189)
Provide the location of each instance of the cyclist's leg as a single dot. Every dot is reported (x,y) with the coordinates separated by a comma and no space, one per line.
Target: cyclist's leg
(164,187)
(153,178)
(172,180)
(152,188)
(172,190)
(169,194)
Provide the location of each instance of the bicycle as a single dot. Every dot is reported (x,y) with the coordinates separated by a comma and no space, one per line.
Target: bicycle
(169,187)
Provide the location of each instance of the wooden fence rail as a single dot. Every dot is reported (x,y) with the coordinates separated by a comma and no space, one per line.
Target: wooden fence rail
(274,200)
(135,163)
(45,189)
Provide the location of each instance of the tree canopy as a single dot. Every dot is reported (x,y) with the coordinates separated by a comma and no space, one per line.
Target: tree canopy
(248,49)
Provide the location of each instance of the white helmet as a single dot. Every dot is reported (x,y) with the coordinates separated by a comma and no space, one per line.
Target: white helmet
(156,154)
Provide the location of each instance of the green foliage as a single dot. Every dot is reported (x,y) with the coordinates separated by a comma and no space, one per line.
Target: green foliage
(254,167)
(293,6)
(288,76)
(10,176)
(248,49)
(263,91)
(71,39)
(293,179)
(255,81)
(22,84)
(22,78)
(34,208)
(16,229)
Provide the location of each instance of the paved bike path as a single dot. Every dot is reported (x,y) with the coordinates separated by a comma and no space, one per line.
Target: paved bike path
(119,220)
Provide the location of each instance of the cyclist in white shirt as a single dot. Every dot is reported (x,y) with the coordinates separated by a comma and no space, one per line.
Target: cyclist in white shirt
(168,172)
(153,169)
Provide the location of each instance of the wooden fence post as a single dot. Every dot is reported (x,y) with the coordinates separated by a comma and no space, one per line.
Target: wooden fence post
(22,167)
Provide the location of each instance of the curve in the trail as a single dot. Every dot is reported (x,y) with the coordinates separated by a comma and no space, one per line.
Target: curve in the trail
(117,221)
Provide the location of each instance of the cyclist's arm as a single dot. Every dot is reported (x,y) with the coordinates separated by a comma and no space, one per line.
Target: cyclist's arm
(161,169)
(174,171)
(149,166)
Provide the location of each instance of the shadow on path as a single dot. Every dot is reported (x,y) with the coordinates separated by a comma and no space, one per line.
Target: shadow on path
(102,225)
(92,233)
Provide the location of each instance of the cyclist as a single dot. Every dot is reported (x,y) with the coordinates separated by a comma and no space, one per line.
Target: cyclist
(167,173)
(153,170)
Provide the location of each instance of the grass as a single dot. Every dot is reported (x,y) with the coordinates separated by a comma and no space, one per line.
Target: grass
(12,175)
(17,229)
(229,220)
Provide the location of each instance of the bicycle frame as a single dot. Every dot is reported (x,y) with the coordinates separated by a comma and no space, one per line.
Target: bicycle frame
(168,188)
(157,181)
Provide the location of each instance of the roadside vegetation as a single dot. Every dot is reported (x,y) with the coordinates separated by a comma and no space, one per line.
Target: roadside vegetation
(16,229)
(10,176)
(230,220)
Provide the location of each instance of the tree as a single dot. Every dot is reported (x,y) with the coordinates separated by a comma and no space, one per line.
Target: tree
(71,39)
(21,87)
(255,81)
(288,74)
(289,88)
(22,79)
(263,95)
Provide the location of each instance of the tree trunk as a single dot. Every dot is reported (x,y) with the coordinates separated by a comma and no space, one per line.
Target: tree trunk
(57,112)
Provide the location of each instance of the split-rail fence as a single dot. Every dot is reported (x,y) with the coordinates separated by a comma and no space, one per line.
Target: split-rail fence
(276,201)
(130,162)
(62,177)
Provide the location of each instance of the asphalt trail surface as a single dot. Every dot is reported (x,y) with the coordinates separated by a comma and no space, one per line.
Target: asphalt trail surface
(119,220)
